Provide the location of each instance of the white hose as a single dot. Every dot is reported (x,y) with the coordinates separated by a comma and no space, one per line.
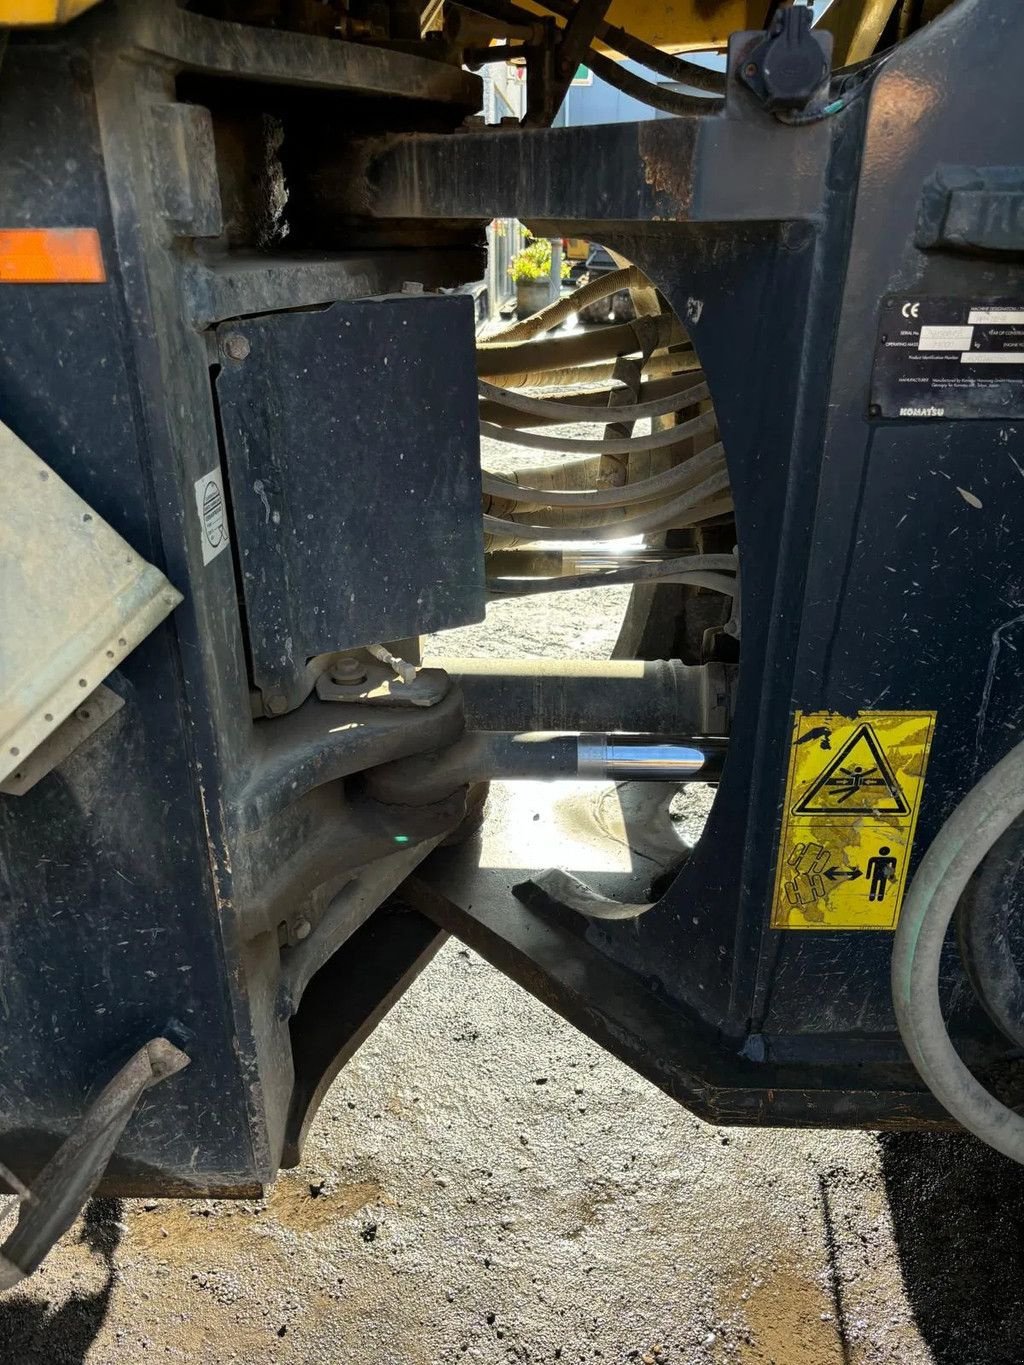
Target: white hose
(958,848)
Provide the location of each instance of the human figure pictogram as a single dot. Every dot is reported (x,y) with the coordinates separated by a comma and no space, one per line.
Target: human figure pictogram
(881,871)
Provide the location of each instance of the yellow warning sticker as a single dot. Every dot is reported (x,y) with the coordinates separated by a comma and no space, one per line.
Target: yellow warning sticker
(852,797)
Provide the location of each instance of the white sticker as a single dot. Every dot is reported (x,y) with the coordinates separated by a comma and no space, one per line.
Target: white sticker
(1005,317)
(945,338)
(213,515)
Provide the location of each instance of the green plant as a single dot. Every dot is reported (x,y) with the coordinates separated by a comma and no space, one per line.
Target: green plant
(534,261)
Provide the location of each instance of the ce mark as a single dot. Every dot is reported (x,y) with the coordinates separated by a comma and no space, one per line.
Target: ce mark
(910,310)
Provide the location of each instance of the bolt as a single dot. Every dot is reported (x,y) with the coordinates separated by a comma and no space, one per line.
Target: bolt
(750,69)
(276,704)
(874,410)
(236,346)
(302,929)
(347,673)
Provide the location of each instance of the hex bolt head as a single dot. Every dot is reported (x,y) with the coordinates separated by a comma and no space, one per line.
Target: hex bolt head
(348,673)
(276,704)
(302,929)
(236,346)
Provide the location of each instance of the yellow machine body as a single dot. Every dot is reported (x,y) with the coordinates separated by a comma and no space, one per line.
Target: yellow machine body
(680,25)
(22,13)
(672,25)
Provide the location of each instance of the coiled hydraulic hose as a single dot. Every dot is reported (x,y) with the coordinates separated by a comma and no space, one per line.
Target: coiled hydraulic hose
(959,847)
(640,337)
(556,375)
(681,511)
(553,410)
(602,287)
(672,480)
(612,445)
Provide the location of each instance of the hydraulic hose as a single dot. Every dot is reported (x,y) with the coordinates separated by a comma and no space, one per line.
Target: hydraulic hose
(552,410)
(640,337)
(672,480)
(957,850)
(602,287)
(690,574)
(672,68)
(655,96)
(554,374)
(666,516)
(614,445)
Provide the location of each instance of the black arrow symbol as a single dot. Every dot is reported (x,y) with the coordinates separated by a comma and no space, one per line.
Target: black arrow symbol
(839,874)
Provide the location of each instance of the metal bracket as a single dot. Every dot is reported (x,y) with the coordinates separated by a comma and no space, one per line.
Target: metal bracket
(94,712)
(77,600)
(71,1175)
(552,69)
(376,685)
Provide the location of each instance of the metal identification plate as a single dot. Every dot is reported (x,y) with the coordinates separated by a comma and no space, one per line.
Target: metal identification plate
(852,797)
(953,358)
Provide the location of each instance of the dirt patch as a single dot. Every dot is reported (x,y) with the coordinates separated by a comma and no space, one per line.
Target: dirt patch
(305,1206)
(177,1232)
(790,1321)
(173,1231)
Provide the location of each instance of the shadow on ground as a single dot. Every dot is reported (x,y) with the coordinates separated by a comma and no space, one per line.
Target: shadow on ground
(29,1331)
(958,1221)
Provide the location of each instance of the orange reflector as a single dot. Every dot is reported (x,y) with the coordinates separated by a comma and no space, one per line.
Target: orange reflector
(51,256)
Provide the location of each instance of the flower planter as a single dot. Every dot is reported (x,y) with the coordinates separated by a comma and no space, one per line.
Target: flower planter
(531,297)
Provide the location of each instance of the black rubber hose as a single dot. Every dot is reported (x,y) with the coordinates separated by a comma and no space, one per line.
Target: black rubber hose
(673,68)
(959,847)
(656,96)
(669,101)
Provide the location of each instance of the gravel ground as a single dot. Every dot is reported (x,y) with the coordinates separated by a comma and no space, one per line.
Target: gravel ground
(483,1184)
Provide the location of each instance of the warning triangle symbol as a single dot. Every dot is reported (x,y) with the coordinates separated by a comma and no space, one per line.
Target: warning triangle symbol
(857,779)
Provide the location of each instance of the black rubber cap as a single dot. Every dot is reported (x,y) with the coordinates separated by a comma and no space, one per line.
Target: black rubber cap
(793,65)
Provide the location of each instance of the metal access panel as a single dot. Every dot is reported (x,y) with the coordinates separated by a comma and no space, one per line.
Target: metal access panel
(353,453)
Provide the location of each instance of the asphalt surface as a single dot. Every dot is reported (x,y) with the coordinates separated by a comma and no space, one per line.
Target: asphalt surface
(482,1184)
